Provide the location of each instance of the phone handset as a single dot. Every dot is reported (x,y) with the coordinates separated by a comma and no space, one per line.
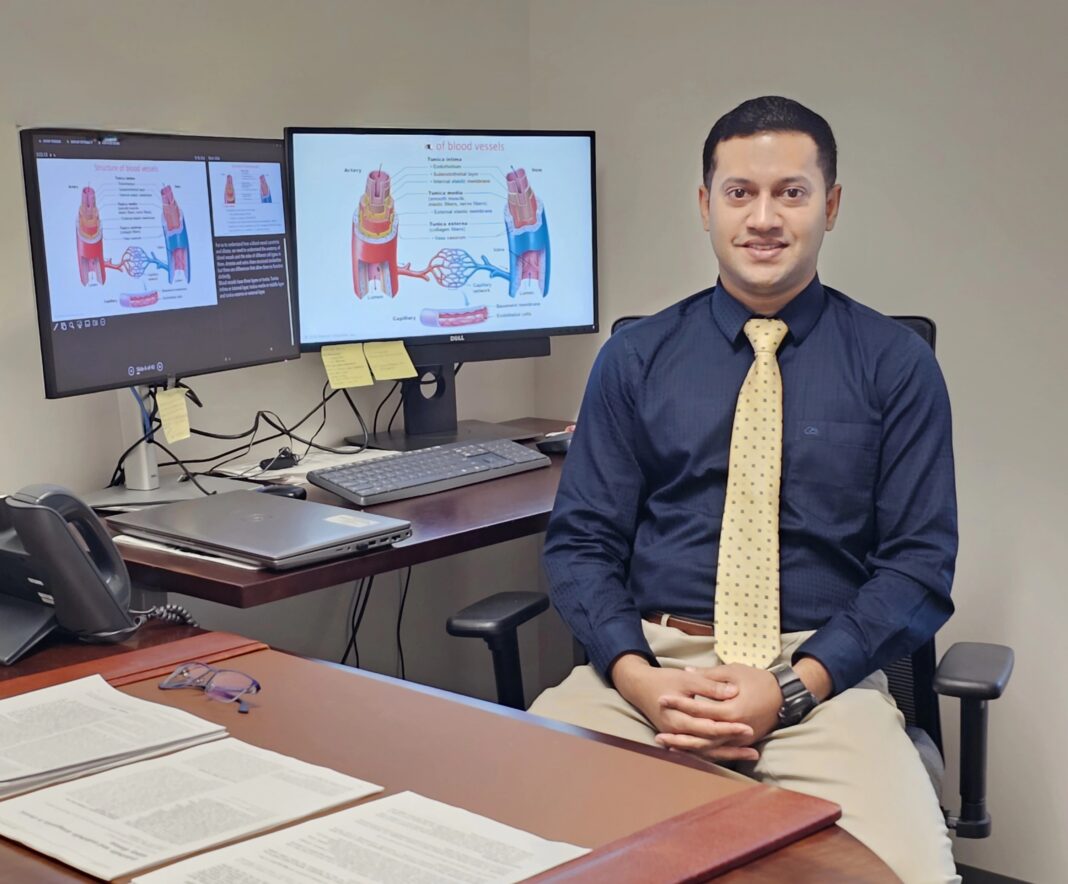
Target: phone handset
(80,566)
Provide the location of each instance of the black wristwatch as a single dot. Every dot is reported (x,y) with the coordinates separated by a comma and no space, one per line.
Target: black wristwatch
(797,700)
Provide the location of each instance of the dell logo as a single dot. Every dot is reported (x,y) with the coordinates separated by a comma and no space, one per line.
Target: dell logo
(456,337)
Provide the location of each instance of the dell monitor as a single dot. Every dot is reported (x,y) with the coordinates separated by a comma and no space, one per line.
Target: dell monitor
(156,257)
(464,244)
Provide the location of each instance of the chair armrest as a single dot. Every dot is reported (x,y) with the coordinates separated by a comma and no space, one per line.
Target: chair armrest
(974,671)
(497,614)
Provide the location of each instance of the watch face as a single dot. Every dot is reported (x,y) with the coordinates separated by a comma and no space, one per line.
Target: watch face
(798,701)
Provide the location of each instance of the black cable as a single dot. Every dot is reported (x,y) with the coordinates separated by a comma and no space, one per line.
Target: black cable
(359,619)
(392,417)
(355,606)
(242,450)
(262,414)
(363,423)
(396,385)
(400,617)
(189,391)
(170,613)
(312,443)
(272,420)
(118,474)
(192,477)
(322,423)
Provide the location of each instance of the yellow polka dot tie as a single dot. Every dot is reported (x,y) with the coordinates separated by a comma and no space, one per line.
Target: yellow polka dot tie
(747,575)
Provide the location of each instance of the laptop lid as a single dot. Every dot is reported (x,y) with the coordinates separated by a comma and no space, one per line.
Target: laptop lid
(265,529)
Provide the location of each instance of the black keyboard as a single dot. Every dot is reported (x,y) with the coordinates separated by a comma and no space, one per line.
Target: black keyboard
(412,473)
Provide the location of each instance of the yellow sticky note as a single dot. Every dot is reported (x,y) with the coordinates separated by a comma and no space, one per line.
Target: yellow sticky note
(174,412)
(389,360)
(346,366)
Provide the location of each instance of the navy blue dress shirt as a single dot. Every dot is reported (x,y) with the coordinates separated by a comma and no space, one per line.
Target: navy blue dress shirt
(868,525)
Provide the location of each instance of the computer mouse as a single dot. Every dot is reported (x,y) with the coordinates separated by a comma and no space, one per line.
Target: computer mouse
(294,491)
(555,443)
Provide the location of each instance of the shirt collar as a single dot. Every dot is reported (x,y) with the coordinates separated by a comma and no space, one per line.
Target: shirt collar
(800,314)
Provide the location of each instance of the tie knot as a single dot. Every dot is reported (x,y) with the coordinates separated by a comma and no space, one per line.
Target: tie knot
(765,334)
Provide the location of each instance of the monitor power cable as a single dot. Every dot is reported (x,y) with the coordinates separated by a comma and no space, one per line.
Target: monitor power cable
(400,618)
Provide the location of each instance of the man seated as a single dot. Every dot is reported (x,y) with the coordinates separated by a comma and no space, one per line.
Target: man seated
(757,511)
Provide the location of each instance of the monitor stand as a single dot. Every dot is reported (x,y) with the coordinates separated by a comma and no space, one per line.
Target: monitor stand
(143,485)
(431,419)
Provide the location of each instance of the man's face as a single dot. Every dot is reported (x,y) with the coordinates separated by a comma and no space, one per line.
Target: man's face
(766,212)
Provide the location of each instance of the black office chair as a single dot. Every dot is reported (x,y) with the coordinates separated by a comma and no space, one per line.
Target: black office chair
(973,672)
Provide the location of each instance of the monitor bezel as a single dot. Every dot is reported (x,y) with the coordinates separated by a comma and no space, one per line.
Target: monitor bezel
(43,294)
(468,340)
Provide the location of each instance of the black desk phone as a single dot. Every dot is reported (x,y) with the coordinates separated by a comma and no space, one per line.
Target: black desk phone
(59,570)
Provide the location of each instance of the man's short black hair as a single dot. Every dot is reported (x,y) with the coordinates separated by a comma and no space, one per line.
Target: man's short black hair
(772,113)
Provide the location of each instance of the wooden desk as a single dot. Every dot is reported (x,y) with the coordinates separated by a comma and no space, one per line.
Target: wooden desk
(557,781)
(443,524)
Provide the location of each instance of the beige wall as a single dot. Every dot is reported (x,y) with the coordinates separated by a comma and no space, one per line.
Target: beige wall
(950,123)
(951,129)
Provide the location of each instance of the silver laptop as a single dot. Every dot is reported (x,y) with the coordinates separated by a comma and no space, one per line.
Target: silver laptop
(263,529)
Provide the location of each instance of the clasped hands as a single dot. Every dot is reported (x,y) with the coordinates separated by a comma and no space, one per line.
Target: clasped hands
(718,713)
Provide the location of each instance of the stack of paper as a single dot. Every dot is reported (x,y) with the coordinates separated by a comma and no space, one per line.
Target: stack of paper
(116,823)
(84,726)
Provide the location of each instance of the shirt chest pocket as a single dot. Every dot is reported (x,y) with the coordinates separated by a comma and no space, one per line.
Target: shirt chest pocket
(838,454)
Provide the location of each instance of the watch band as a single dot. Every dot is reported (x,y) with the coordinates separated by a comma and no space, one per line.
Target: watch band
(797,700)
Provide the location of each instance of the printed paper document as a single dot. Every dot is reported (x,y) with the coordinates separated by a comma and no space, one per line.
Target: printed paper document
(119,822)
(83,726)
(403,838)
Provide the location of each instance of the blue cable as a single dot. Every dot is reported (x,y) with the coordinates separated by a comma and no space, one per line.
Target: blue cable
(146,423)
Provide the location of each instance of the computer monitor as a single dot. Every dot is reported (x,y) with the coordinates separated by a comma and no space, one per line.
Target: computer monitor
(465,244)
(156,257)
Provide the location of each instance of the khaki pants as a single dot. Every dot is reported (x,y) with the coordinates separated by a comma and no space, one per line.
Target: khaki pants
(852,750)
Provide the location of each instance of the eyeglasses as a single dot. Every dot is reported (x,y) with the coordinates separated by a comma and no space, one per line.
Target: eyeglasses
(225,685)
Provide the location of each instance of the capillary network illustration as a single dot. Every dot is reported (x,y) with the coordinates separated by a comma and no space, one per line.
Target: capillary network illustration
(375,229)
(135,260)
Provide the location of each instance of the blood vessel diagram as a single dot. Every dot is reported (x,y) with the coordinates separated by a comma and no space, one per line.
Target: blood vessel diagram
(265,191)
(528,235)
(90,239)
(139,299)
(375,234)
(135,260)
(374,238)
(229,197)
(175,236)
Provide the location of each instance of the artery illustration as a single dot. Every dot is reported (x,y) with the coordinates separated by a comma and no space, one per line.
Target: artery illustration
(135,260)
(229,197)
(374,238)
(265,191)
(90,239)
